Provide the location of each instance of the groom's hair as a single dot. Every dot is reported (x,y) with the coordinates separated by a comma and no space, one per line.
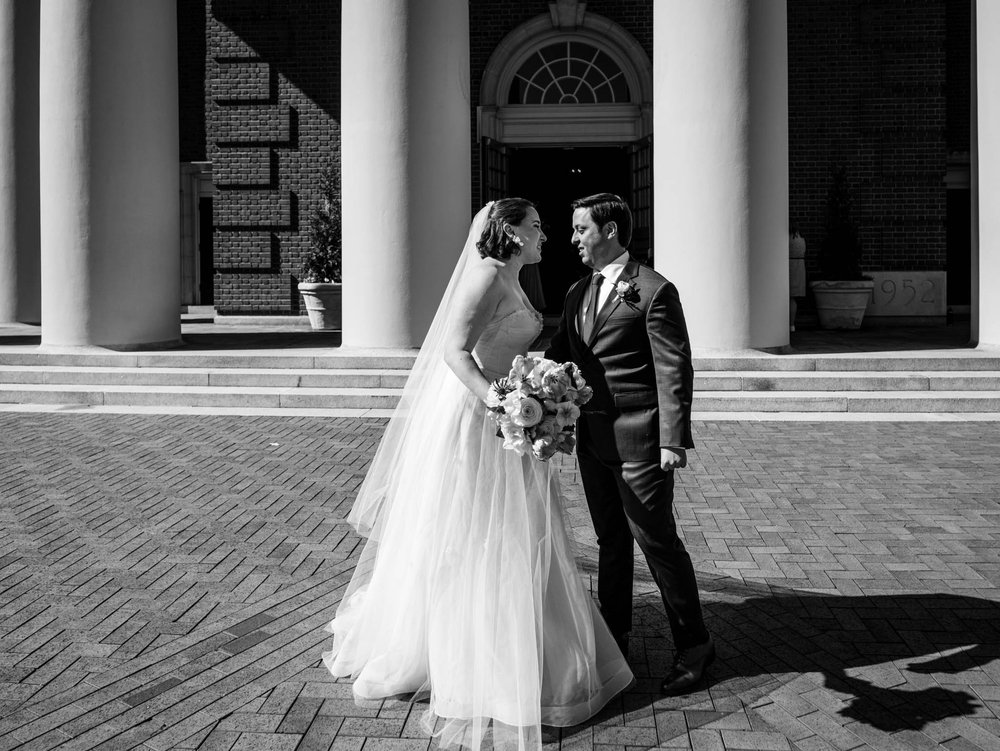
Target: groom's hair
(607,207)
(494,242)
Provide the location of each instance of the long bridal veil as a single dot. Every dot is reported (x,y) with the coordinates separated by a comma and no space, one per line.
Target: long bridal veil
(430,392)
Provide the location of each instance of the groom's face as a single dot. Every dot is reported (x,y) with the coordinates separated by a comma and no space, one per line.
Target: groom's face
(590,241)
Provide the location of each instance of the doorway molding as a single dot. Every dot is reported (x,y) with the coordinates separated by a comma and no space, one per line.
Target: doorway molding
(195,184)
(566,124)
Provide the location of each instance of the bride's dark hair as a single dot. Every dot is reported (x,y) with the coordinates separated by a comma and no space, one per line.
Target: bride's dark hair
(496,243)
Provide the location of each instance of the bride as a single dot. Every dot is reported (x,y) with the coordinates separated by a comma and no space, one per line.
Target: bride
(466,592)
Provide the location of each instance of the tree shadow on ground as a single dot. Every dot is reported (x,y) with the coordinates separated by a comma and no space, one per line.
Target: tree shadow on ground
(876,649)
(897,661)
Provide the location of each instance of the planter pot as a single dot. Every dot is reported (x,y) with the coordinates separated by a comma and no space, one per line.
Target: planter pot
(841,305)
(323,303)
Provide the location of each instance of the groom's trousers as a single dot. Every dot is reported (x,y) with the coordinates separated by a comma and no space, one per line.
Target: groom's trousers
(634,500)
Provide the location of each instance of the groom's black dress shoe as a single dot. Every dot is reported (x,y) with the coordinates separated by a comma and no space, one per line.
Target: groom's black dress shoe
(688,669)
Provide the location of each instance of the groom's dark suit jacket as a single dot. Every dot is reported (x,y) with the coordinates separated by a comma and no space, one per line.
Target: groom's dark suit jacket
(638,361)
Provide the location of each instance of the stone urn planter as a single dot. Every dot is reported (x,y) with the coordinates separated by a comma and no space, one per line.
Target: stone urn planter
(323,304)
(842,305)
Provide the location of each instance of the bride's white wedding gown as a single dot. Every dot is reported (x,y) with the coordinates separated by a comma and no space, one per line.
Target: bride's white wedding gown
(467,592)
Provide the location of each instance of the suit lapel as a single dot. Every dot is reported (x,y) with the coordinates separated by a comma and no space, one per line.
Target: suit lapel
(630,271)
(574,303)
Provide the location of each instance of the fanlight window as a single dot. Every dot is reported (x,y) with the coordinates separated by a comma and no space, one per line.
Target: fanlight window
(569,73)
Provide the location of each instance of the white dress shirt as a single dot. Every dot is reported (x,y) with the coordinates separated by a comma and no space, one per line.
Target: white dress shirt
(611,272)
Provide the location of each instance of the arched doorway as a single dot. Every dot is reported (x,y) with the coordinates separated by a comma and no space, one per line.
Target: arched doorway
(566,112)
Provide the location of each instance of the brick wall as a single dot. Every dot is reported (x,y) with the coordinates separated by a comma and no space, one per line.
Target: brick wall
(489,22)
(957,80)
(271,125)
(869,86)
(867,90)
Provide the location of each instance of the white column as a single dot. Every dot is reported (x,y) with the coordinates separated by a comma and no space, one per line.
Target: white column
(768,174)
(721,167)
(406,163)
(986,174)
(19,222)
(109,173)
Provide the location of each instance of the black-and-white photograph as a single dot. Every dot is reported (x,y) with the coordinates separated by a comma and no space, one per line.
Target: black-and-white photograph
(499,375)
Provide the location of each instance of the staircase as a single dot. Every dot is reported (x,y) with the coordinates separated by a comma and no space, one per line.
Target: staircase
(355,381)
(958,381)
(369,383)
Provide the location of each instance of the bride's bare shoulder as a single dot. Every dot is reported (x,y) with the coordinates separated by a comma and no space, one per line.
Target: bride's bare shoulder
(484,274)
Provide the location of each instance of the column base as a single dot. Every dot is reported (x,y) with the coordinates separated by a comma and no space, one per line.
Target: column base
(140,347)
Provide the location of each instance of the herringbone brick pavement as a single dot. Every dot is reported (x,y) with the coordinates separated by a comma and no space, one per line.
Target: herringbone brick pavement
(165,580)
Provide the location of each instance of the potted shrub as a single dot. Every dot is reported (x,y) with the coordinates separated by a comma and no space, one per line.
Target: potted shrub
(320,276)
(842,292)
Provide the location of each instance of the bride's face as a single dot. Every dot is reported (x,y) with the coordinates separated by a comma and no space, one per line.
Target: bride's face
(529,231)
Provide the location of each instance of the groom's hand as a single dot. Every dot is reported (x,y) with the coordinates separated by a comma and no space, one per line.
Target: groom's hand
(672,459)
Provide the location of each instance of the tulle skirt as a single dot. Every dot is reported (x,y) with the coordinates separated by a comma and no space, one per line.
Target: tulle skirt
(467,595)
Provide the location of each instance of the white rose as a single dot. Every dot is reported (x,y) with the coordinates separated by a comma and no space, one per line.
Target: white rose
(527,412)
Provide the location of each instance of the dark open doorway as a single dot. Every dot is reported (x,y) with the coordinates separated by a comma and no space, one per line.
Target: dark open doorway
(959,247)
(206,253)
(552,178)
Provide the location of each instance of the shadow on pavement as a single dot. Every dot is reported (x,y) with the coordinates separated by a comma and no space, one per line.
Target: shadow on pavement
(902,660)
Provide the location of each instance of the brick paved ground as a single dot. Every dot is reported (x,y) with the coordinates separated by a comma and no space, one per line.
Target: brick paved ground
(164,581)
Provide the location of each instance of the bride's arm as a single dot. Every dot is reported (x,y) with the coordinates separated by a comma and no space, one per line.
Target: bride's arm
(477,301)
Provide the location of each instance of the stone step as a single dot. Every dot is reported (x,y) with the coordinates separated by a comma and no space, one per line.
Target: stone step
(846,381)
(386,398)
(960,360)
(326,359)
(237,377)
(371,378)
(848,401)
(402,359)
(200,396)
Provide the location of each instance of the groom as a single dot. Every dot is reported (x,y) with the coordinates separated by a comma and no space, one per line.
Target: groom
(624,327)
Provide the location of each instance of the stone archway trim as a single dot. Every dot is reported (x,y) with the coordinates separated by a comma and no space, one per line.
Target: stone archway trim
(566,123)
(563,123)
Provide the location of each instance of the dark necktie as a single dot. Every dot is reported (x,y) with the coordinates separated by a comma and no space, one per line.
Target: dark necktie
(590,312)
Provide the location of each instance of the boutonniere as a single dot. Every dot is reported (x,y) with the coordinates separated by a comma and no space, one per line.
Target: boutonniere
(626,291)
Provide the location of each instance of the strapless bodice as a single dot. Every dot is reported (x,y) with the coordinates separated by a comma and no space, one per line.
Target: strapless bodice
(506,336)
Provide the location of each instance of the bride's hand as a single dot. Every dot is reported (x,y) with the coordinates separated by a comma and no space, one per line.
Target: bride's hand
(493,397)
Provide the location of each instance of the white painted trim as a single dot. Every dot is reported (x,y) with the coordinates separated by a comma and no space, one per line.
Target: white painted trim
(565,123)
(195,183)
(578,124)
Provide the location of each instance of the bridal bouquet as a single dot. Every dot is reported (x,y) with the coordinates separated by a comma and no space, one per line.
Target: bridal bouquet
(537,405)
